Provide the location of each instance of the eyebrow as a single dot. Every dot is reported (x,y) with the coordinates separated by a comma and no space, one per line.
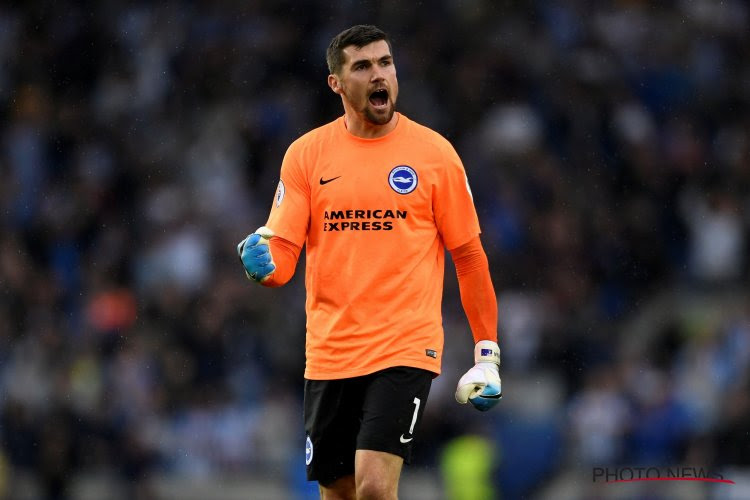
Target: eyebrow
(367,61)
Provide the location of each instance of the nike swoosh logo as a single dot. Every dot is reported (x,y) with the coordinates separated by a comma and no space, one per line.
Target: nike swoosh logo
(404,440)
(328,180)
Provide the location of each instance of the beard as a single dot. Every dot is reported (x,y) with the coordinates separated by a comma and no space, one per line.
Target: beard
(380,118)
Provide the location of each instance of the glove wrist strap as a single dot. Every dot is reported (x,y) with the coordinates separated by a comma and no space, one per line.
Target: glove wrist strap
(487,351)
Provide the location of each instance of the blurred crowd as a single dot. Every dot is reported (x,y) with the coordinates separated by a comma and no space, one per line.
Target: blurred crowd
(608,149)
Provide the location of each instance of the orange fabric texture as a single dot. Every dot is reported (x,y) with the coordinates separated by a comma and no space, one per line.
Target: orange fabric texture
(477,293)
(285,255)
(376,216)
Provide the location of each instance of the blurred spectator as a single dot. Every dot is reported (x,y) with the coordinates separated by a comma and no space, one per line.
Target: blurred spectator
(467,463)
(717,246)
(599,418)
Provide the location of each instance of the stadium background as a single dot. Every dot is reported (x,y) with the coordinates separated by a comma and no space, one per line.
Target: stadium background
(608,148)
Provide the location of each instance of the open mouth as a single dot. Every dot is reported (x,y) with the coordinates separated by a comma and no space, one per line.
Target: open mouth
(379,98)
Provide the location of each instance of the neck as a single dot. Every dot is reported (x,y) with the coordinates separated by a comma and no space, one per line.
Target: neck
(358,126)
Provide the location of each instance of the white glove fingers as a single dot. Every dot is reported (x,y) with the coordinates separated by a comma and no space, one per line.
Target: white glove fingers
(481,385)
(469,391)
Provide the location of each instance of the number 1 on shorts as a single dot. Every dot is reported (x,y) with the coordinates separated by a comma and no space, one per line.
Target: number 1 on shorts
(417,402)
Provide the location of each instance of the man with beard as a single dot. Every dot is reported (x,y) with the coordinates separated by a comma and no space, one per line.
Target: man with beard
(376,198)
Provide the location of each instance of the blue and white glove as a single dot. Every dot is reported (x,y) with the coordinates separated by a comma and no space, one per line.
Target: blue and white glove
(256,256)
(481,386)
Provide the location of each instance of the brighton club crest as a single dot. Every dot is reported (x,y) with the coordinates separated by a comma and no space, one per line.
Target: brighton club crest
(403,179)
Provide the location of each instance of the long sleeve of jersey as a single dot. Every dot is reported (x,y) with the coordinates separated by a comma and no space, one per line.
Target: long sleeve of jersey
(285,256)
(477,293)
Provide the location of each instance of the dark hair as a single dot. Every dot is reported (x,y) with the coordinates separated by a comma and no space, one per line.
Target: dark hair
(359,36)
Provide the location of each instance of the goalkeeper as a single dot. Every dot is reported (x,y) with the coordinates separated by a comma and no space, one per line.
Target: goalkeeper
(376,199)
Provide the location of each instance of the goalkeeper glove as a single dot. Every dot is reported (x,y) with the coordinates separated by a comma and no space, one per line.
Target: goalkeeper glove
(256,256)
(480,386)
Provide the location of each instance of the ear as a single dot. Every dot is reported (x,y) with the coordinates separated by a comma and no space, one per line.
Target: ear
(333,82)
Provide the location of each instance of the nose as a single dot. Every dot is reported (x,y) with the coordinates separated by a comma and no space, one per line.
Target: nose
(377,73)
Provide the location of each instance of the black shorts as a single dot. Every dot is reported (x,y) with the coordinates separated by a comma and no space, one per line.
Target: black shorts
(380,412)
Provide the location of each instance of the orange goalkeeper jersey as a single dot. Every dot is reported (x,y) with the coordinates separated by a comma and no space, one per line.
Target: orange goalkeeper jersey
(376,216)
